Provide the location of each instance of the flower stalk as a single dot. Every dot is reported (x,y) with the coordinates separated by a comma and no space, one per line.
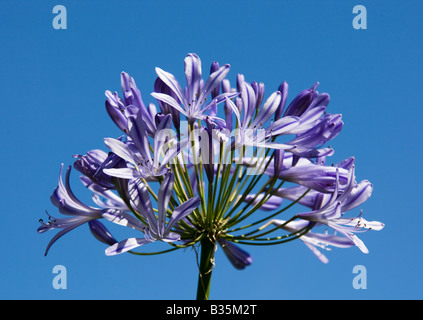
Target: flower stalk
(205,268)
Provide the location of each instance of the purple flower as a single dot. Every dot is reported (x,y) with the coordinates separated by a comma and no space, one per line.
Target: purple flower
(161,87)
(317,177)
(103,197)
(238,257)
(136,151)
(92,164)
(132,104)
(303,171)
(303,118)
(194,97)
(331,213)
(68,204)
(305,101)
(313,240)
(315,200)
(323,130)
(156,227)
(251,130)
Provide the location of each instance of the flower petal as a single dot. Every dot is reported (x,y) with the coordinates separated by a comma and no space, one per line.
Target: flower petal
(162,136)
(125,246)
(213,81)
(173,84)
(248,97)
(123,173)
(283,126)
(170,101)
(192,75)
(124,219)
(268,109)
(138,134)
(182,211)
(165,192)
(141,202)
(121,149)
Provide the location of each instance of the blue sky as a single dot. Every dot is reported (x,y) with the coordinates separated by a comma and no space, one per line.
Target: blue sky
(53,82)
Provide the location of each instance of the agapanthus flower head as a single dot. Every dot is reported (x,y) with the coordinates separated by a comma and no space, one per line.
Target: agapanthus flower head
(217,167)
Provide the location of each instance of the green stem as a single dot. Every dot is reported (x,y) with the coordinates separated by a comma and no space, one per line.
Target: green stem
(206,267)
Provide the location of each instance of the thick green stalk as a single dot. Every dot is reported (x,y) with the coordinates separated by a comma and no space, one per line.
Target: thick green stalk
(206,267)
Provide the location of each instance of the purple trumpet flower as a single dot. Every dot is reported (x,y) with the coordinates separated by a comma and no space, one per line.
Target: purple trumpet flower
(238,257)
(120,109)
(330,214)
(313,240)
(137,152)
(314,190)
(68,204)
(317,177)
(161,87)
(93,163)
(315,200)
(305,101)
(316,183)
(195,95)
(304,172)
(104,197)
(251,131)
(156,227)
(323,130)
(303,118)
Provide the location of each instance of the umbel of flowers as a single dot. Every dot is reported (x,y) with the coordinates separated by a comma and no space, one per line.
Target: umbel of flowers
(214,164)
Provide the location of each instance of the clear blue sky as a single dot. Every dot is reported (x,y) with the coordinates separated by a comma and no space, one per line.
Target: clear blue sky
(52,86)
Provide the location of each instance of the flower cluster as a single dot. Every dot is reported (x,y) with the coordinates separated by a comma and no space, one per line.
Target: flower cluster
(216,164)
